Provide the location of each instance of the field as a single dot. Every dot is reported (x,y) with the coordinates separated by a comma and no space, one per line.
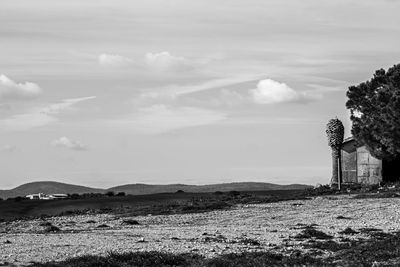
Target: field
(183,229)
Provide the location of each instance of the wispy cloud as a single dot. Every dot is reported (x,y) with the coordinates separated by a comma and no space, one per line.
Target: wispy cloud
(164,61)
(68,143)
(66,104)
(109,60)
(161,118)
(39,116)
(8,148)
(10,89)
(173,92)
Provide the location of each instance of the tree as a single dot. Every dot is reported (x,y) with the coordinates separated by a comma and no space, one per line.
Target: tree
(375,113)
(335,134)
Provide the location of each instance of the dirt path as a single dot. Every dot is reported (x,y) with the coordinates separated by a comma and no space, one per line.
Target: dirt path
(245,228)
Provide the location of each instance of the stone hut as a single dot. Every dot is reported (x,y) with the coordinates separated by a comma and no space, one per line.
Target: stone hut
(359,166)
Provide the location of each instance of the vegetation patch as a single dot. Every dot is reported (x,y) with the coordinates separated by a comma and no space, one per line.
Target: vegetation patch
(340,217)
(154,258)
(348,231)
(130,222)
(103,226)
(310,232)
(51,229)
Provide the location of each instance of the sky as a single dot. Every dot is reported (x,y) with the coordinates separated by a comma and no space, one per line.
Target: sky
(102,93)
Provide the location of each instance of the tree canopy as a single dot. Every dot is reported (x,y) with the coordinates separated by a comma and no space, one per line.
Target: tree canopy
(375,113)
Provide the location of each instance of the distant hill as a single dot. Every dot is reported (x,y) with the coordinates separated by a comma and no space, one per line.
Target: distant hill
(141,189)
(47,188)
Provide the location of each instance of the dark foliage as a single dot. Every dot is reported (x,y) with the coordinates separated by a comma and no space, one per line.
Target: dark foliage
(51,229)
(310,232)
(45,224)
(340,217)
(130,222)
(121,194)
(348,231)
(375,113)
(110,194)
(103,226)
(168,259)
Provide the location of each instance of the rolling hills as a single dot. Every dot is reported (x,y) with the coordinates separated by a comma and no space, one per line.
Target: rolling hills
(49,187)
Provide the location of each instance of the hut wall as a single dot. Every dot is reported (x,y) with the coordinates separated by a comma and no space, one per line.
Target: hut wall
(369,169)
(349,163)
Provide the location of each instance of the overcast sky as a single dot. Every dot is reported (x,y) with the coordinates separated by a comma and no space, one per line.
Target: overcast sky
(102,93)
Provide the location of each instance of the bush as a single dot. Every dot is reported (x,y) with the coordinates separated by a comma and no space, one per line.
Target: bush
(131,222)
(234,193)
(121,194)
(51,229)
(110,194)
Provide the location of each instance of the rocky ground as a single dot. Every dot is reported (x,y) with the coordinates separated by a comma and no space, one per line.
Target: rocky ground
(259,227)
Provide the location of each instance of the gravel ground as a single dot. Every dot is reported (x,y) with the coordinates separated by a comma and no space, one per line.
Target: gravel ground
(260,227)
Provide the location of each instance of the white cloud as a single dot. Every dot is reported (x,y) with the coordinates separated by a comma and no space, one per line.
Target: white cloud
(68,143)
(40,116)
(8,148)
(173,92)
(66,104)
(109,60)
(160,118)
(164,61)
(23,122)
(270,92)
(10,89)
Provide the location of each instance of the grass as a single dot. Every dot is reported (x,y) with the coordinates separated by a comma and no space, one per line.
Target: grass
(153,258)
(373,251)
(311,232)
(155,204)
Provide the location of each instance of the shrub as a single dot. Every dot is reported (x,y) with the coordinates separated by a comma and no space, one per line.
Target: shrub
(234,193)
(312,233)
(131,222)
(348,231)
(110,194)
(121,194)
(51,229)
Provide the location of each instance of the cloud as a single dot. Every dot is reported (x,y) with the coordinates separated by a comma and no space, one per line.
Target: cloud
(8,148)
(22,122)
(271,92)
(40,116)
(108,60)
(67,143)
(161,118)
(66,104)
(164,61)
(173,92)
(10,89)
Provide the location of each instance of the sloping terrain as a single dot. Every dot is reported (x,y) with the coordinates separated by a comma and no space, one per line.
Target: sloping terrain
(140,189)
(318,228)
(47,188)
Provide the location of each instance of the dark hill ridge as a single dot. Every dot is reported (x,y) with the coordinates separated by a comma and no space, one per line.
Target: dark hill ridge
(141,189)
(47,188)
